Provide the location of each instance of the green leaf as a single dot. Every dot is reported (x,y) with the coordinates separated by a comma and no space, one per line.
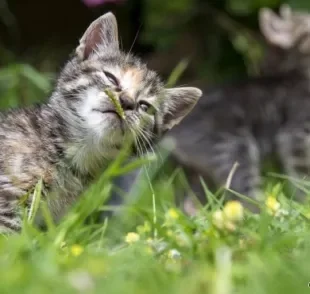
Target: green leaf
(299,4)
(177,73)
(35,77)
(240,6)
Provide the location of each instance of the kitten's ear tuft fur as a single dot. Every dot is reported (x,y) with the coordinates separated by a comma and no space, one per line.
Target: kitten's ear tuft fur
(278,30)
(286,11)
(102,34)
(178,103)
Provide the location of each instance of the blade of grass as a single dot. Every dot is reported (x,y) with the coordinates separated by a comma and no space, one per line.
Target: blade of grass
(177,73)
(47,217)
(118,107)
(36,198)
(138,163)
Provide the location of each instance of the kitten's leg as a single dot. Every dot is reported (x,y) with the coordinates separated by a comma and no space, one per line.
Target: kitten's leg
(245,179)
(10,212)
(293,147)
(10,219)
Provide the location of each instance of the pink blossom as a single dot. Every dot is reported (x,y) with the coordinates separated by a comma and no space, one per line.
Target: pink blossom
(94,3)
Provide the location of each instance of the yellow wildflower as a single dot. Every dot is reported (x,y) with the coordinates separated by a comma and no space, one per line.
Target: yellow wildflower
(218,219)
(233,211)
(172,214)
(76,250)
(170,233)
(230,226)
(272,205)
(132,237)
(145,228)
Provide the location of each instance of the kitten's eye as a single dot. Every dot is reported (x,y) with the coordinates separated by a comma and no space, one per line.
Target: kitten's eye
(112,78)
(144,106)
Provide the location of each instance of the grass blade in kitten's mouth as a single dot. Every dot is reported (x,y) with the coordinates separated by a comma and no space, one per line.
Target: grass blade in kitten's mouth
(116,103)
(106,111)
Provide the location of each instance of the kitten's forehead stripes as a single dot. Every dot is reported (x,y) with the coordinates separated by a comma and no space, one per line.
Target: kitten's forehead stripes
(143,82)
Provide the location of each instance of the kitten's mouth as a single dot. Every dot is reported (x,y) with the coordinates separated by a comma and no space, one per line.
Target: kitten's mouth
(111,111)
(115,113)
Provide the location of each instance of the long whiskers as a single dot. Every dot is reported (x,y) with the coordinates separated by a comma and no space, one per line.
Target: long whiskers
(147,134)
(145,140)
(134,40)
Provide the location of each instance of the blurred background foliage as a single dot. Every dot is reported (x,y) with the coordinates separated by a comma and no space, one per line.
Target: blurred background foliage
(219,37)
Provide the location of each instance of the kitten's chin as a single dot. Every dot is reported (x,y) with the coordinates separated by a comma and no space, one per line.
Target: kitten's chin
(106,126)
(118,140)
(113,134)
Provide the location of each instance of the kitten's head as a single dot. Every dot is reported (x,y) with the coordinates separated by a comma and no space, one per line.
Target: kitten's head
(288,37)
(98,65)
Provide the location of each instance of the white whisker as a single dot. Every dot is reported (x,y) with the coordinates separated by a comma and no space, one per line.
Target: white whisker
(134,41)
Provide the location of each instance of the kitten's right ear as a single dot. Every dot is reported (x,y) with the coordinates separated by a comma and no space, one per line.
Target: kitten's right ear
(178,104)
(278,30)
(102,34)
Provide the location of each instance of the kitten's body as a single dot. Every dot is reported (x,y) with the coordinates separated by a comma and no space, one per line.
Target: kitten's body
(69,140)
(27,151)
(247,121)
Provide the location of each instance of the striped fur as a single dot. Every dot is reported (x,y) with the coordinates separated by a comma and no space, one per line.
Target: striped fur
(68,140)
(249,121)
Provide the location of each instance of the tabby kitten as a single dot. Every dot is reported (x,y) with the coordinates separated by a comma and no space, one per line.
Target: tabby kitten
(247,121)
(287,39)
(68,140)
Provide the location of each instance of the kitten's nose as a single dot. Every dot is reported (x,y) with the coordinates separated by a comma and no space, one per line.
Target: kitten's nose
(127,102)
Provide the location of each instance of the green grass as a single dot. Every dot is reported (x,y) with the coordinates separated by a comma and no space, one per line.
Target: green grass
(149,246)
(133,252)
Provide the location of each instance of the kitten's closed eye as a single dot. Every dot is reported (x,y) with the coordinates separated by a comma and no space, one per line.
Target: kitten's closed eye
(113,79)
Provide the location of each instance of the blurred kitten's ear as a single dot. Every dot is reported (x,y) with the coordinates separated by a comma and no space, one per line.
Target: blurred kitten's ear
(178,103)
(285,11)
(278,30)
(102,34)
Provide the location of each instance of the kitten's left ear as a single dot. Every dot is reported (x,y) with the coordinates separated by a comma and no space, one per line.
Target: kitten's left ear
(178,103)
(102,34)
